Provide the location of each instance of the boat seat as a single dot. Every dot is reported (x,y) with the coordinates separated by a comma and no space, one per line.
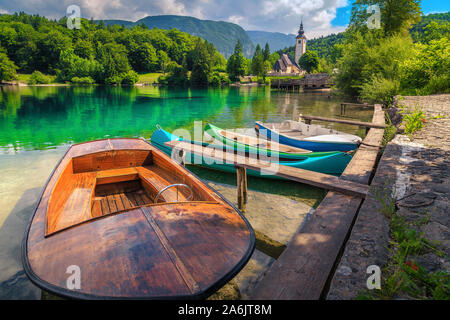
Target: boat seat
(155,179)
(78,195)
(116,175)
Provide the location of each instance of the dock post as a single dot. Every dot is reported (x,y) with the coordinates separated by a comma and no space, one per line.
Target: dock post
(241,175)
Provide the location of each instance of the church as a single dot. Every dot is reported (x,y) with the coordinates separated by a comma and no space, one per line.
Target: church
(286,64)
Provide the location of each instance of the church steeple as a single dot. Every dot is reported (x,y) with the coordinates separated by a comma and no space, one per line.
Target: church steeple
(300,43)
(301,33)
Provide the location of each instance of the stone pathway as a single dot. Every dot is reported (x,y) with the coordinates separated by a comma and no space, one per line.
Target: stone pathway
(417,172)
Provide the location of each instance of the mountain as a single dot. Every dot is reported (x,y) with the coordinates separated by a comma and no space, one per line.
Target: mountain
(223,35)
(276,40)
(418,29)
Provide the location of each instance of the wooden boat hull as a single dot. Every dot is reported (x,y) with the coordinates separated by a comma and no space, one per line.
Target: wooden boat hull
(333,163)
(242,142)
(342,142)
(130,248)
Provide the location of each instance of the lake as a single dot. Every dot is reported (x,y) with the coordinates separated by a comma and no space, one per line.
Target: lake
(37,125)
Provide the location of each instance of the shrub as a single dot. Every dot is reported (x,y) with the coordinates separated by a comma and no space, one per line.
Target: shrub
(177,77)
(413,121)
(72,66)
(113,80)
(82,80)
(38,77)
(215,80)
(426,72)
(7,68)
(163,80)
(130,78)
(218,79)
(379,90)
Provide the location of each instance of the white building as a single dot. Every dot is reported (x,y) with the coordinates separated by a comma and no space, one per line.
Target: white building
(288,65)
(300,43)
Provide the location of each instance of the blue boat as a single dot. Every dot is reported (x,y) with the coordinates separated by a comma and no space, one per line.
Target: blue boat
(333,163)
(308,136)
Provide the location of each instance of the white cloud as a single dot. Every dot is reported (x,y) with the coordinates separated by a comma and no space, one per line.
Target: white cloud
(267,15)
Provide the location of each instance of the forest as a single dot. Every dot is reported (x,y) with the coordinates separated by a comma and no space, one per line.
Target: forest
(377,64)
(409,54)
(97,53)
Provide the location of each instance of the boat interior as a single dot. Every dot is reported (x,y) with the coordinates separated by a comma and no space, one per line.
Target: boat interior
(108,182)
(298,130)
(261,143)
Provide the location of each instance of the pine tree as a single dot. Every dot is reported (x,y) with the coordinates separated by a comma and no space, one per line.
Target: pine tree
(266,52)
(236,64)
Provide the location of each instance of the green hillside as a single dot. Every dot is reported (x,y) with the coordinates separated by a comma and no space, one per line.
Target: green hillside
(276,40)
(223,35)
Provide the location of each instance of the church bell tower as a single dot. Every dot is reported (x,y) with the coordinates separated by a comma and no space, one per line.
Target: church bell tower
(300,43)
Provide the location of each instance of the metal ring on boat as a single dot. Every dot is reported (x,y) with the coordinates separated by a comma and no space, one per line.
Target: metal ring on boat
(191,196)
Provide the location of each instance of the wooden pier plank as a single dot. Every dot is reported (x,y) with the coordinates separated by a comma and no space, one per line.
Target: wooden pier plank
(357,104)
(356,123)
(316,179)
(303,269)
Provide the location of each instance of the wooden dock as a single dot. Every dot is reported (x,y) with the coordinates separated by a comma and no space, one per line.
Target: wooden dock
(325,181)
(306,265)
(345,104)
(304,268)
(309,81)
(356,123)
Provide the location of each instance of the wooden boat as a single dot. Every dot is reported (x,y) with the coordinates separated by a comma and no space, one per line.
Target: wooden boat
(136,225)
(261,146)
(308,136)
(333,163)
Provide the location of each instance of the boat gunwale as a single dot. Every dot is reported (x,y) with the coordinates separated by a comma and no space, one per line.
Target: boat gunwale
(224,133)
(264,126)
(70,294)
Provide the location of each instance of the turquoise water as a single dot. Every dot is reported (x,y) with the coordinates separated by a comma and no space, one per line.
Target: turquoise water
(37,124)
(45,117)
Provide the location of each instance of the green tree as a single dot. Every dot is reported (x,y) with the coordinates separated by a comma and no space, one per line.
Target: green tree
(163,61)
(84,49)
(435,31)
(257,63)
(397,16)
(50,45)
(274,58)
(258,66)
(143,58)
(7,67)
(266,52)
(114,61)
(309,61)
(70,65)
(237,64)
(201,65)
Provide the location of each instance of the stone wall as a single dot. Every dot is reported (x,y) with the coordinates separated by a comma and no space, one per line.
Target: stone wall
(416,171)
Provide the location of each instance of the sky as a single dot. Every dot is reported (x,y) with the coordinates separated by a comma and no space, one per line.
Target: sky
(320,17)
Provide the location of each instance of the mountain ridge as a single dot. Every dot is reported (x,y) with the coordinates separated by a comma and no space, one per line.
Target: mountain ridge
(222,34)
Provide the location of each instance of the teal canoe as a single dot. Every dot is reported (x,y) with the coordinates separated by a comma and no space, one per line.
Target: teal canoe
(333,163)
(262,146)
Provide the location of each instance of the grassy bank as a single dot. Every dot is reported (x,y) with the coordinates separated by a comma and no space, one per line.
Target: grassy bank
(151,77)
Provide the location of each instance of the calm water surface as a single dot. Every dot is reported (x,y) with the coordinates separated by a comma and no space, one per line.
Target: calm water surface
(37,124)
